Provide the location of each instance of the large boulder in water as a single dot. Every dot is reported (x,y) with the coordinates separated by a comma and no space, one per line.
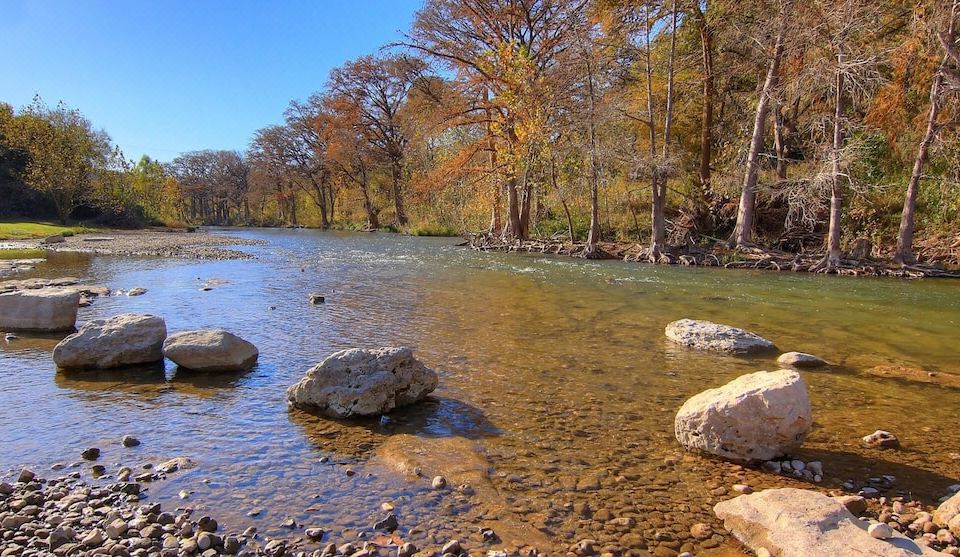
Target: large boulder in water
(123,340)
(758,416)
(800,523)
(706,335)
(359,382)
(49,310)
(210,350)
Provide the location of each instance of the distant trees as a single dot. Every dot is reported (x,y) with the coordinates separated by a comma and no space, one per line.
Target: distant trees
(673,124)
(62,150)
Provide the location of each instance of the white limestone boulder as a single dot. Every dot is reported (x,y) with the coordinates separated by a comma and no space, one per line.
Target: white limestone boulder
(360,382)
(948,514)
(49,310)
(758,416)
(706,335)
(801,523)
(210,350)
(123,340)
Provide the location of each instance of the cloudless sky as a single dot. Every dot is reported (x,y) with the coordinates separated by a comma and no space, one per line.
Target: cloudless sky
(168,76)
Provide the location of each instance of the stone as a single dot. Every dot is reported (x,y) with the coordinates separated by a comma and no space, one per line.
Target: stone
(758,416)
(48,310)
(317,299)
(880,530)
(360,382)
(315,534)
(137,291)
(210,350)
(452,546)
(94,539)
(439,482)
(706,335)
(92,453)
(53,239)
(854,503)
(882,440)
(800,523)
(948,514)
(800,360)
(388,524)
(174,464)
(26,476)
(123,340)
(130,441)
(407,550)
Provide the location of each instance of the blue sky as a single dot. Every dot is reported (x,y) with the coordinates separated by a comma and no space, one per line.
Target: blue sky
(164,77)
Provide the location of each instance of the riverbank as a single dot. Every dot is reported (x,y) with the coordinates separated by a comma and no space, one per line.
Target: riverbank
(188,245)
(857,264)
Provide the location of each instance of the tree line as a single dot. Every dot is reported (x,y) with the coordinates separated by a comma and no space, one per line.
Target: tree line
(804,126)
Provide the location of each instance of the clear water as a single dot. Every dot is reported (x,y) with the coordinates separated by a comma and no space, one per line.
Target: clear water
(557,395)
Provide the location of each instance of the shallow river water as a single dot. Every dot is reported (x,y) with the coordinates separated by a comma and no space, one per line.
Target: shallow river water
(556,401)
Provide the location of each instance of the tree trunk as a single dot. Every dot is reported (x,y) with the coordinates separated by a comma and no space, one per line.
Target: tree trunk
(658,232)
(594,234)
(397,175)
(525,204)
(904,253)
(706,124)
(779,143)
(563,201)
(743,231)
(372,220)
(836,197)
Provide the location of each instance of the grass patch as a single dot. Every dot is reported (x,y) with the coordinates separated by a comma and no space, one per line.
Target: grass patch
(6,254)
(33,230)
(433,230)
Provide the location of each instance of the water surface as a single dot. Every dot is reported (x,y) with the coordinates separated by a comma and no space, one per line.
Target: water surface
(557,395)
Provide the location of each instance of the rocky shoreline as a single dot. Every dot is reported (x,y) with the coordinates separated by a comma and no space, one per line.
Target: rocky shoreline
(188,245)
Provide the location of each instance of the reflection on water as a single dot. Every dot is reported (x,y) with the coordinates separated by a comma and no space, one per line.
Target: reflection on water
(557,390)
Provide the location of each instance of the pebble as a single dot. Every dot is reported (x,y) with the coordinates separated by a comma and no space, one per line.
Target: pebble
(880,531)
(881,439)
(314,534)
(452,546)
(439,482)
(92,453)
(26,476)
(130,441)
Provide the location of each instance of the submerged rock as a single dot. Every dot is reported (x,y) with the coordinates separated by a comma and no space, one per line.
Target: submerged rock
(881,439)
(706,335)
(758,416)
(361,382)
(122,340)
(47,310)
(210,350)
(799,523)
(800,359)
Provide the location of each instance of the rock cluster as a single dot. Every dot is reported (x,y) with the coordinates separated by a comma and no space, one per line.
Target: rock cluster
(758,416)
(361,382)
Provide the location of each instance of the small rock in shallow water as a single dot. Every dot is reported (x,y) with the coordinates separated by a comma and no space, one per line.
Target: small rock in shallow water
(388,524)
(772,466)
(137,291)
(880,531)
(314,534)
(439,482)
(406,550)
(130,441)
(452,546)
(92,453)
(26,476)
(316,299)
(881,439)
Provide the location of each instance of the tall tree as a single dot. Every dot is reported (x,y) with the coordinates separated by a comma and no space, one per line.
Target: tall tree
(904,253)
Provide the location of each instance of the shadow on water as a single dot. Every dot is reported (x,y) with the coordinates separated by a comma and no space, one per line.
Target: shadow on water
(204,383)
(431,418)
(150,380)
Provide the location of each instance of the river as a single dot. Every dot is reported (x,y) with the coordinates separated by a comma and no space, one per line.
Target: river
(556,400)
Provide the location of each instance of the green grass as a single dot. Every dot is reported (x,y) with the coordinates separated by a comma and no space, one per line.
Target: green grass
(22,254)
(33,230)
(433,230)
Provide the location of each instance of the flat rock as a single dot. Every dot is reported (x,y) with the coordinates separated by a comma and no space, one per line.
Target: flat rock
(800,523)
(360,382)
(758,416)
(122,340)
(46,310)
(801,360)
(210,350)
(706,335)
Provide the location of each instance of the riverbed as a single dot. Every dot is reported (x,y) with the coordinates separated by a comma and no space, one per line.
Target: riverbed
(556,400)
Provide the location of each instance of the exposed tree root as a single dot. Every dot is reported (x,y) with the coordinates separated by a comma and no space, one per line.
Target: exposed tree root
(717,256)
